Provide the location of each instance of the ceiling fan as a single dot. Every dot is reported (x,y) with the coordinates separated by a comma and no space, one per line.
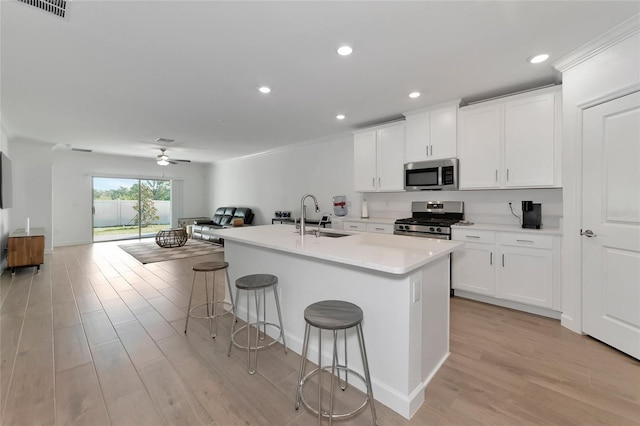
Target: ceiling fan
(164,160)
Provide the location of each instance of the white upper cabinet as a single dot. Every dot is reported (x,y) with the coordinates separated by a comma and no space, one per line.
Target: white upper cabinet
(513,142)
(530,141)
(480,142)
(379,159)
(365,159)
(432,133)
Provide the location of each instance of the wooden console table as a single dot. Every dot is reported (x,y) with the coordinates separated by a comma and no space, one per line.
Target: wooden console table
(26,249)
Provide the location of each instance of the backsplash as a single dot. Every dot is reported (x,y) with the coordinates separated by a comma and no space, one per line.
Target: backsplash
(485,206)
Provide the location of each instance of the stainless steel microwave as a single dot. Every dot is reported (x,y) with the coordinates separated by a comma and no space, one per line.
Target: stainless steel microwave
(431,175)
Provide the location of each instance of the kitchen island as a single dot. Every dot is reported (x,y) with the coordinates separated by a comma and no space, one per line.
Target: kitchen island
(401,283)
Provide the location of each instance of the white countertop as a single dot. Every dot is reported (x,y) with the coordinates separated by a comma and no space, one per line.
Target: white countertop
(395,254)
(510,228)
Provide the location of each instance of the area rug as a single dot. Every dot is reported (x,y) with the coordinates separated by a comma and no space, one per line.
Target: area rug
(151,252)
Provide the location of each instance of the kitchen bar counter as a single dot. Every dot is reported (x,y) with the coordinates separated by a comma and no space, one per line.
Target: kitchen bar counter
(401,283)
(380,252)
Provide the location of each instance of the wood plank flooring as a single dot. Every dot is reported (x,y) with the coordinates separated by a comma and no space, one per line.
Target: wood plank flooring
(96,338)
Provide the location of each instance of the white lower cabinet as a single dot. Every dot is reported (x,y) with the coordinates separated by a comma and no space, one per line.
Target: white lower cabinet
(355,226)
(380,228)
(366,226)
(517,267)
(473,269)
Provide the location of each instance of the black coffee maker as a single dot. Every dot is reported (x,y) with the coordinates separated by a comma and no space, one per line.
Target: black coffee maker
(531,215)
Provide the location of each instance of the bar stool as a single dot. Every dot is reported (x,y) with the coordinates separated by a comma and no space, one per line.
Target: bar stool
(333,315)
(211,303)
(255,283)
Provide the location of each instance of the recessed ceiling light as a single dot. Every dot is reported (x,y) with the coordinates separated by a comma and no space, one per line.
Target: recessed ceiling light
(539,58)
(264,89)
(345,50)
(414,95)
(340,116)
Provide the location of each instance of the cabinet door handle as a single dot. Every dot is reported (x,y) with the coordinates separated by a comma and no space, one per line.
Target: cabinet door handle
(472,236)
(379,229)
(373,182)
(496,175)
(507,175)
(379,182)
(431,150)
(426,150)
(490,258)
(353,226)
(524,241)
(503,260)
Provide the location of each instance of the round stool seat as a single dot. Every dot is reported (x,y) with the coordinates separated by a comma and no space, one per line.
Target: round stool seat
(256,281)
(210,266)
(333,315)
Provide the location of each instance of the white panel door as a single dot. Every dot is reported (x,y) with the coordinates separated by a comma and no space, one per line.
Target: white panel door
(611,223)
(479,147)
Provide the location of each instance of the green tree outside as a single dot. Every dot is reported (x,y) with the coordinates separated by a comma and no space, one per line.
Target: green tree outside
(147,213)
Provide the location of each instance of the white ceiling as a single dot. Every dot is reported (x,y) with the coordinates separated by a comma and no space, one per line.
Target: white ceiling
(115,75)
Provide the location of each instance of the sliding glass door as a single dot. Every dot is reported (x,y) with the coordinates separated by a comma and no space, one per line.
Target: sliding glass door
(125,208)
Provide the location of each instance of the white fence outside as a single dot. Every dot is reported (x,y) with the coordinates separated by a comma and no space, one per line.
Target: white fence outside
(121,212)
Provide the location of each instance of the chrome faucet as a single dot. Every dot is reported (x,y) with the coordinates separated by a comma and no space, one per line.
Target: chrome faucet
(302,211)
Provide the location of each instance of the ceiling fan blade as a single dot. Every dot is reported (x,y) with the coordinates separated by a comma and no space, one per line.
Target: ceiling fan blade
(182,161)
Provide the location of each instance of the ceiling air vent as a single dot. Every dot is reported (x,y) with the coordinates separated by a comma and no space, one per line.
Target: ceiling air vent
(54,7)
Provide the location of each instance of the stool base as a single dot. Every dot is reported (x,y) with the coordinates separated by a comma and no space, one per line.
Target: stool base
(213,329)
(326,414)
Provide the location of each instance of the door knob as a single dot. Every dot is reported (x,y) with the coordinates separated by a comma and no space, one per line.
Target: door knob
(588,233)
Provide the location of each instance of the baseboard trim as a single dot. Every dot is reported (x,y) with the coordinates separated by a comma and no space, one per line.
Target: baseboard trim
(549,313)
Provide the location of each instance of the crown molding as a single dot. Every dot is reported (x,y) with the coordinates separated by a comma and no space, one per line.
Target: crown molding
(603,42)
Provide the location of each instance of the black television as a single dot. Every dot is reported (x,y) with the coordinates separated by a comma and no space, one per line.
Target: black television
(6,194)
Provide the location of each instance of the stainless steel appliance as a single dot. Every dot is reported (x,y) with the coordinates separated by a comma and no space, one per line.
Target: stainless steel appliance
(430,219)
(431,175)
(531,215)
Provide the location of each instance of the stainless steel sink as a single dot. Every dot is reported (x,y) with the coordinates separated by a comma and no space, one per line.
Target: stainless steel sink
(322,233)
(332,234)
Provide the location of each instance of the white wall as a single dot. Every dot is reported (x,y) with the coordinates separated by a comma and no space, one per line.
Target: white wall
(32,198)
(278,180)
(72,185)
(606,73)
(5,214)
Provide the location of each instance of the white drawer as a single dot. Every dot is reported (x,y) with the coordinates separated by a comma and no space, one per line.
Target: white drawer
(471,235)
(355,226)
(526,240)
(381,228)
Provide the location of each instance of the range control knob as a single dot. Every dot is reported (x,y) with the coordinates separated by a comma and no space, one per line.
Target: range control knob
(439,230)
(431,229)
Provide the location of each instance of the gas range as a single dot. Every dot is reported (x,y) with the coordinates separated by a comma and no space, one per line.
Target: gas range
(430,219)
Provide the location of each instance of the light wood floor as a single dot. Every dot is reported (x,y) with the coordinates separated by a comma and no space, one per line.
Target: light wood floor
(96,338)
